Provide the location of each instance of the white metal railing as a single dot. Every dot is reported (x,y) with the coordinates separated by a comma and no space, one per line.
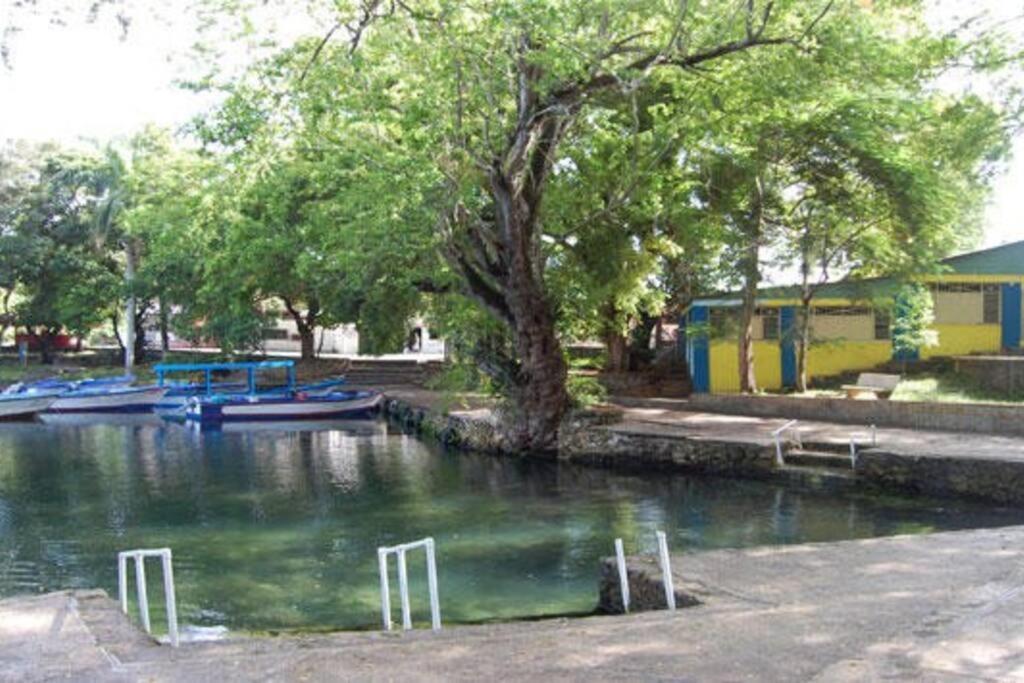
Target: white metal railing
(777,435)
(140,587)
(663,562)
(666,570)
(853,445)
(403,583)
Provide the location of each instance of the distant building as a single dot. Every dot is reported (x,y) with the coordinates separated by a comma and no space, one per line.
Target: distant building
(283,336)
(978,308)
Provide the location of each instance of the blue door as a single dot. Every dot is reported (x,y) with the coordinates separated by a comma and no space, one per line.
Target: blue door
(787,340)
(1011,316)
(698,356)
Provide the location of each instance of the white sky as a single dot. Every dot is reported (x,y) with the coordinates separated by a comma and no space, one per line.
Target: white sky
(81,81)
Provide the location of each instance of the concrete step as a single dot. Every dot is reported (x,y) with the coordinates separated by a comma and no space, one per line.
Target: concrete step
(816,458)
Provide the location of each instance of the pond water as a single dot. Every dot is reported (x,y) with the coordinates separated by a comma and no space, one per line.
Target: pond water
(278,529)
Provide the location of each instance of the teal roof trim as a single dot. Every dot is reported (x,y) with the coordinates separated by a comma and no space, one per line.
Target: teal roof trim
(1006,259)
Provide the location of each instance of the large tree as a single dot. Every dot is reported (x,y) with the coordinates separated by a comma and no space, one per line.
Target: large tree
(487,93)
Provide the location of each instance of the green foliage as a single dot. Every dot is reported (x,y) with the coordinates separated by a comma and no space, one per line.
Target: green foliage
(912,320)
(585,390)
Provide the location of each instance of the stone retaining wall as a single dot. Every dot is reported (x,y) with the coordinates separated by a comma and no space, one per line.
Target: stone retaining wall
(1002,374)
(591,439)
(984,418)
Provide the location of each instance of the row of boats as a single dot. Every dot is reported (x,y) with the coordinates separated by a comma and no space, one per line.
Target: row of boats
(201,401)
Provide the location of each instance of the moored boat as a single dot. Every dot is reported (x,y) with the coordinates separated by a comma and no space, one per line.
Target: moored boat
(25,404)
(335,405)
(180,394)
(108,399)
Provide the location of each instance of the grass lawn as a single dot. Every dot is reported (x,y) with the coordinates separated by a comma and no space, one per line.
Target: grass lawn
(938,387)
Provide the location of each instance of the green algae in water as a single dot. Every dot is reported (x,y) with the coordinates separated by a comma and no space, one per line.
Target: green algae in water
(277,528)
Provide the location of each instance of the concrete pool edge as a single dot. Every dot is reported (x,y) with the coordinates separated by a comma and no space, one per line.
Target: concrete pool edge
(938,606)
(911,465)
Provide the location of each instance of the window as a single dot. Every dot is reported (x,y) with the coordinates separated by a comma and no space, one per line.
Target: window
(841,310)
(882,324)
(769,322)
(990,305)
(956,287)
(274,333)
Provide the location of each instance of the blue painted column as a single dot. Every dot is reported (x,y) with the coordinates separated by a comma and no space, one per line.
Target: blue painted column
(787,343)
(697,353)
(1011,298)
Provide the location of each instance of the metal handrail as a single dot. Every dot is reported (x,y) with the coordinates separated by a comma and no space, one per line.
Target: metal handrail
(403,583)
(140,587)
(777,434)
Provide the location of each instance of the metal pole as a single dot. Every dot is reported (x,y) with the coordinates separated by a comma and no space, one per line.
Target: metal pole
(620,558)
(385,589)
(853,453)
(435,606)
(403,590)
(778,451)
(140,587)
(666,570)
(169,597)
(122,581)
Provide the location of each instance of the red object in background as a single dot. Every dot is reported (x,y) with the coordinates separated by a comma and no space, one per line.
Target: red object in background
(60,342)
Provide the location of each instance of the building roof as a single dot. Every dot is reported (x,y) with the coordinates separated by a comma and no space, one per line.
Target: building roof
(1006,259)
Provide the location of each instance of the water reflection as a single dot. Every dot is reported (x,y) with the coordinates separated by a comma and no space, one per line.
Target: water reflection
(278,528)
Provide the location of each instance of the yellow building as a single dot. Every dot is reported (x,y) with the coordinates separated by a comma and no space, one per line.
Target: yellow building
(977,302)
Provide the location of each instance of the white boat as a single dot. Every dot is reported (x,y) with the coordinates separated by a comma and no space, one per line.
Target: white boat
(120,399)
(342,404)
(25,404)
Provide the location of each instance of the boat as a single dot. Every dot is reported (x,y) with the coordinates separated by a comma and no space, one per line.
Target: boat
(108,399)
(63,384)
(333,405)
(16,405)
(180,394)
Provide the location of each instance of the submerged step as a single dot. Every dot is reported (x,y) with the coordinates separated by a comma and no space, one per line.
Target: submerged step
(817,476)
(817,458)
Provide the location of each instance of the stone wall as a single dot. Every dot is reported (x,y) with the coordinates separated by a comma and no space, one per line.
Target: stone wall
(592,438)
(984,418)
(622,449)
(1001,374)
(646,589)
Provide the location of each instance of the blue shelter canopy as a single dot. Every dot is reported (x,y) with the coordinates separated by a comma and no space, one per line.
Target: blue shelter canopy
(250,368)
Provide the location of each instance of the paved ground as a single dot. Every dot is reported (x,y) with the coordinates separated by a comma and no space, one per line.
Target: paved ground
(672,417)
(945,607)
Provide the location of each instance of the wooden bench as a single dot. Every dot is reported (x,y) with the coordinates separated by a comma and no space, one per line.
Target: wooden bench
(872,385)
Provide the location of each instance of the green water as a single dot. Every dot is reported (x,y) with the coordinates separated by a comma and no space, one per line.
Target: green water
(279,529)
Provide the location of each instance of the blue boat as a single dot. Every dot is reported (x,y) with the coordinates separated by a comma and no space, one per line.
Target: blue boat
(181,393)
(331,406)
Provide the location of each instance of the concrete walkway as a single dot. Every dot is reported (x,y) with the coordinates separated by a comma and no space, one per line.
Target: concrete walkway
(672,417)
(945,607)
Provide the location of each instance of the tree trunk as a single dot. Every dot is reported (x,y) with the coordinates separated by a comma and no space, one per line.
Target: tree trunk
(139,337)
(306,326)
(539,392)
(45,347)
(617,348)
(131,342)
(307,341)
(751,281)
(803,343)
(165,336)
